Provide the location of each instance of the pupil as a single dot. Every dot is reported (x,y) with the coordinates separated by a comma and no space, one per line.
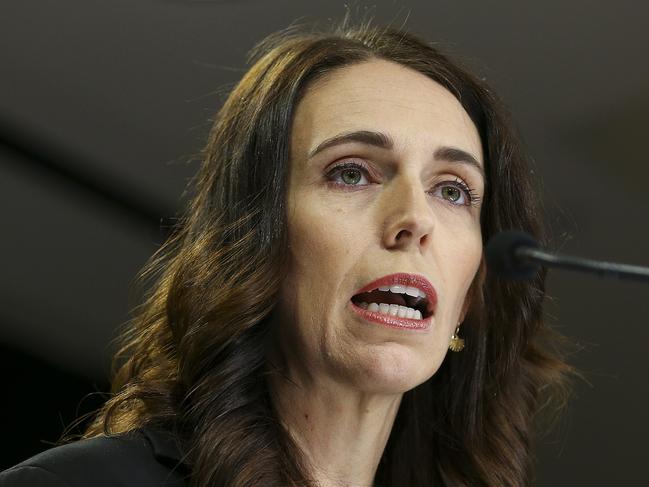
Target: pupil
(453,193)
(351,176)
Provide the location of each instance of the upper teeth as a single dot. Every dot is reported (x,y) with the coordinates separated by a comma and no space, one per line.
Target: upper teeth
(399,289)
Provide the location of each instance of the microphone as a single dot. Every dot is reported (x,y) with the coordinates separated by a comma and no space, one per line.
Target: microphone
(517,255)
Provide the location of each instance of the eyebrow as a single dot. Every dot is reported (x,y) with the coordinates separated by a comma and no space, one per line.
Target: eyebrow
(384,141)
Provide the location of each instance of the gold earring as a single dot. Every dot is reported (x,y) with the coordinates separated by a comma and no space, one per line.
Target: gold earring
(457,343)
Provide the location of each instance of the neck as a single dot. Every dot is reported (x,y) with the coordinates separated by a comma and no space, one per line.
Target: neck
(341,432)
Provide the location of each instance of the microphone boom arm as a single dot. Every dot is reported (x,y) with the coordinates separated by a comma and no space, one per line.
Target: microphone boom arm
(603,269)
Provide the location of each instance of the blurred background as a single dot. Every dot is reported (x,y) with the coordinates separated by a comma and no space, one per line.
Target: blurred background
(103,104)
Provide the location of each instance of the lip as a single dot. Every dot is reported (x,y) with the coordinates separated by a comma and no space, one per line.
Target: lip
(392,321)
(404,279)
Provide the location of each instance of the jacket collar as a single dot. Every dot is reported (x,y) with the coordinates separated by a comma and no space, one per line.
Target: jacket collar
(165,446)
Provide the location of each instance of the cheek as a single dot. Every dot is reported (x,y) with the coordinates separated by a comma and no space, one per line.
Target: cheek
(322,236)
(323,248)
(460,261)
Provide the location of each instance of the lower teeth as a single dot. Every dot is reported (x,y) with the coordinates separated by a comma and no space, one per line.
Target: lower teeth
(392,309)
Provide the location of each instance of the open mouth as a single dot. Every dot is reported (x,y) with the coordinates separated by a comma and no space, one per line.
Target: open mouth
(396,301)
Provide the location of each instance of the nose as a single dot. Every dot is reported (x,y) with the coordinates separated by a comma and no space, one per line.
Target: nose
(409,219)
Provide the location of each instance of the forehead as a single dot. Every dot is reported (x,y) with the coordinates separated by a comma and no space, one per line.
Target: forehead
(383,96)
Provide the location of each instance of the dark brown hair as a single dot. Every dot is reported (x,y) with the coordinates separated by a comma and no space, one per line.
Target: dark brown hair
(195,353)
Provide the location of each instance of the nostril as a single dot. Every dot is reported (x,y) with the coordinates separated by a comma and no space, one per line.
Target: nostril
(402,234)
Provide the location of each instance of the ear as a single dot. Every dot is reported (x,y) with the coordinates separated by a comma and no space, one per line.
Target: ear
(474,294)
(466,306)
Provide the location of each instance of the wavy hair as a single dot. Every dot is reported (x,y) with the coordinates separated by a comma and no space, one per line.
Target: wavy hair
(193,358)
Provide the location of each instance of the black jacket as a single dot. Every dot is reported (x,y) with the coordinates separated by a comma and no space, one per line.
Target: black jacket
(140,458)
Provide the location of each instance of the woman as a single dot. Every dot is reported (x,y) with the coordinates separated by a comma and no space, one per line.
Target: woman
(299,326)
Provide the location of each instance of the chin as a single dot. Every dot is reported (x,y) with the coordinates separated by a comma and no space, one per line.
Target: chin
(393,368)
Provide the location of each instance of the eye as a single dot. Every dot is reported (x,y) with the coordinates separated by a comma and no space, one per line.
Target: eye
(349,174)
(457,192)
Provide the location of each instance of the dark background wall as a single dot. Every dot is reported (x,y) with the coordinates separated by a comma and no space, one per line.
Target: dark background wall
(121,94)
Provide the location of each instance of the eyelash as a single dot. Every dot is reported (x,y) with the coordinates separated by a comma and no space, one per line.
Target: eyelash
(470,194)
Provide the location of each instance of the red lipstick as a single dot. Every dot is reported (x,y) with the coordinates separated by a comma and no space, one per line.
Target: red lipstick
(403,279)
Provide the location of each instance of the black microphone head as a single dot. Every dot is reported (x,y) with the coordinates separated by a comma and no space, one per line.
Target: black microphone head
(502,258)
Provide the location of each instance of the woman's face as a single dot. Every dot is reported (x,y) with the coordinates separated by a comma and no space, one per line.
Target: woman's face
(362,208)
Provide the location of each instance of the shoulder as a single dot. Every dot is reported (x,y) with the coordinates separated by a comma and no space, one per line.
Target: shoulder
(139,458)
